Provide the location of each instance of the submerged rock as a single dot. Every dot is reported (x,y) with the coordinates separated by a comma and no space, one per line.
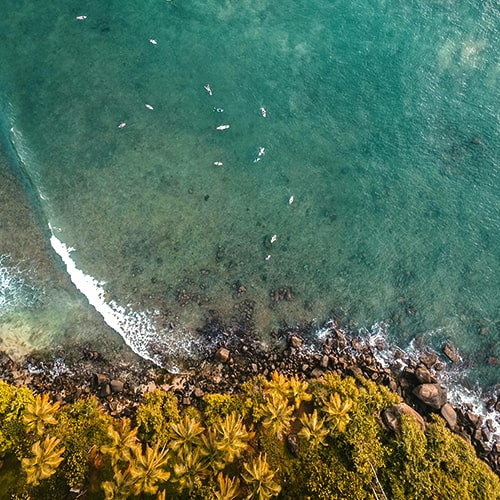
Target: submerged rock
(450,352)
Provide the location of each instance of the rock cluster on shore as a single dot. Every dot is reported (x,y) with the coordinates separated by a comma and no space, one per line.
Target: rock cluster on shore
(231,359)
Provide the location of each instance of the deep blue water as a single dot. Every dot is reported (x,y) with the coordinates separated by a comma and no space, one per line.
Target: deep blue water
(382,123)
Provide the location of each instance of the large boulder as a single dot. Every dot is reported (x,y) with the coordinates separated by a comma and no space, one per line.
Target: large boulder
(392,416)
(432,395)
(450,415)
(423,375)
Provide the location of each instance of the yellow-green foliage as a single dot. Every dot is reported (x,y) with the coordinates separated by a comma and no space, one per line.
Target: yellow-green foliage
(352,406)
(232,436)
(456,466)
(314,429)
(190,470)
(147,469)
(13,403)
(436,464)
(122,441)
(7,394)
(344,452)
(220,405)
(80,426)
(260,479)
(321,474)
(120,487)
(277,414)
(227,488)
(185,435)
(254,391)
(47,455)
(39,414)
(298,391)
(155,416)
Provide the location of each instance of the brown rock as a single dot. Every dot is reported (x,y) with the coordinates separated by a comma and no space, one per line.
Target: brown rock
(324,361)
(428,359)
(485,434)
(423,375)
(105,391)
(450,415)
(198,393)
(99,379)
(316,373)
(222,355)
(295,341)
(450,352)
(392,416)
(432,395)
(355,371)
(116,386)
(475,420)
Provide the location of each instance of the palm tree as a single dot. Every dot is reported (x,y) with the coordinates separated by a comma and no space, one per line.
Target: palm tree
(228,488)
(123,442)
(148,469)
(313,429)
(121,486)
(277,414)
(336,412)
(45,462)
(39,414)
(259,479)
(185,435)
(190,469)
(298,391)
(278,385)
(232,436)
(209,449)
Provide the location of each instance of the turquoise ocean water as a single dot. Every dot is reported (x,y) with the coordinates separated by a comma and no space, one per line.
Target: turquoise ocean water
(379,175)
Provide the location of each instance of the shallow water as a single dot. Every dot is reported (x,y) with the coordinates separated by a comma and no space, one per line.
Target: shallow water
(382,123)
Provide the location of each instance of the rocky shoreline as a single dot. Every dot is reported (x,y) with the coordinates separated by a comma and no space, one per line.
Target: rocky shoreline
(230,359)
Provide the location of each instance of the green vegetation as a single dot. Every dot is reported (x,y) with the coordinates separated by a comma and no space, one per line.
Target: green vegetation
(235,447)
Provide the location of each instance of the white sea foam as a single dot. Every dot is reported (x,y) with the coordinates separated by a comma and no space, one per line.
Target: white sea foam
(15,289)
(137,328)
(452,379)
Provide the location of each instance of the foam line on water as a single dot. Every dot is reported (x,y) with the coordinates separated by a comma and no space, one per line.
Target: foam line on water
(137,328)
